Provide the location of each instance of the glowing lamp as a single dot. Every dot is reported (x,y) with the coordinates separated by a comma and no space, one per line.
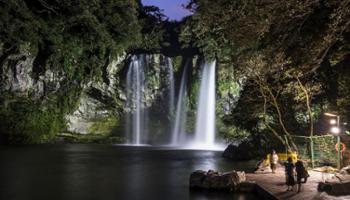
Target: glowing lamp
(333,121)
(335,130)
(330,114)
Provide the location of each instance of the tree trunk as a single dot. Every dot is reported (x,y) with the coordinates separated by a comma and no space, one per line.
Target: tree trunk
(274,132)
(308,105)
(276,106)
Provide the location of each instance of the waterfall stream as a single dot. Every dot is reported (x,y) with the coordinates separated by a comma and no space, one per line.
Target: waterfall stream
(138,117)
(178,132)
(169,66)
(135,84)
(205,121)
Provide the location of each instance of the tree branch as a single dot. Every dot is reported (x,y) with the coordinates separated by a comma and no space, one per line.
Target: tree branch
(47,6)
(308,99)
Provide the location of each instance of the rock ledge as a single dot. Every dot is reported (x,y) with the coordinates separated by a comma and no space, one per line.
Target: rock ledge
(213,180)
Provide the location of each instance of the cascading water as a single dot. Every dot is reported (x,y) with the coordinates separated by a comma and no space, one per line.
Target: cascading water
(205,123)
(137,119)
(169,66)
(178,132)
(135,83)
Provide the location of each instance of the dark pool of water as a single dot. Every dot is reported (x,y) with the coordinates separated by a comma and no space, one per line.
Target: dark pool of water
(83,172)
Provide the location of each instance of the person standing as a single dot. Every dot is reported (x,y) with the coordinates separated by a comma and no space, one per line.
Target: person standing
(273,161)
(302,173)
(290,172)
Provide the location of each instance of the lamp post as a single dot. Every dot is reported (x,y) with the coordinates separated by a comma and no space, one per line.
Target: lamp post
(336,131)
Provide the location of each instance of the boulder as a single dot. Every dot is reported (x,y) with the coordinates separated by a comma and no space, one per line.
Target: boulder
(215,182)
(345,170)
(197,178)
(339,185)
(335,189)
(212,180)
(237,177)
(246,150)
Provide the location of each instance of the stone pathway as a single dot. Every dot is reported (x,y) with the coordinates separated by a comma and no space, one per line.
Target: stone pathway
(275,185)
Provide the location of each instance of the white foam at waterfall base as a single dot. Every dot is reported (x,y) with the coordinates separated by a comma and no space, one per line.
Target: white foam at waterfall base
(202,146)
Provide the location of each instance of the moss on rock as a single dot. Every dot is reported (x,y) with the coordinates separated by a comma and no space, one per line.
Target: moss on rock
(104,126)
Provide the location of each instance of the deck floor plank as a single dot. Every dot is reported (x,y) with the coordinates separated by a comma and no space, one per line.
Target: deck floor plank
(275,185)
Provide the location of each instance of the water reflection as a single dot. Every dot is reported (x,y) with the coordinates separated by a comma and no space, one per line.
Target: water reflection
(106,172)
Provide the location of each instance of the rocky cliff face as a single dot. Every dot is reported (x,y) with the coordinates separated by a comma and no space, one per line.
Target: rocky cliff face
(97,101)
(39,106)
(17,75)
(107,100)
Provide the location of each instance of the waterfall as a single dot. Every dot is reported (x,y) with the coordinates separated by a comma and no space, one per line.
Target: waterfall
(205,123)
(178,132)
(171,86)
(135,84)
(137,117)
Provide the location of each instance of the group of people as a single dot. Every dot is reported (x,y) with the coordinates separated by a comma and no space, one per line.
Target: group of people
(295,173)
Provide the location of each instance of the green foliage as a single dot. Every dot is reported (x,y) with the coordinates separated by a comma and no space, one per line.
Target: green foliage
(26,121)
(91,138)
(279,48)
(323,146)
(343,100)
(302,117)
(190,122)
(153,80)
(104,126)
(177,64)
(226,87)
(76,36)
(74,39)
(227,84)
(193,96)
(231,133)
(151,19)
(223,28)
(17,25)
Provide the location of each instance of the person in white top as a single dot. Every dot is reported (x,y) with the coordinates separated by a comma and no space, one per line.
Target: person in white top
(273,161)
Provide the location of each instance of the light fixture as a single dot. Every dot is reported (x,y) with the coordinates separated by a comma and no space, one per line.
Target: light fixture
(330,114)
(335,130)
(333,121)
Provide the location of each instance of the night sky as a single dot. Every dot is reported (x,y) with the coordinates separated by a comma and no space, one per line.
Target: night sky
(171,8)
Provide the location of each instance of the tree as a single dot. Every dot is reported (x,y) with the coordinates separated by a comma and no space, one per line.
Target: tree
(278,46)
(74,39)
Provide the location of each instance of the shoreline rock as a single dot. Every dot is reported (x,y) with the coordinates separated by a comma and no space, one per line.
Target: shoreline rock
(212,180)
(338,185)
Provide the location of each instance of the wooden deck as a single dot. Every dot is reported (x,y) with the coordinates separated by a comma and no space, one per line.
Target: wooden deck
(275,185)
